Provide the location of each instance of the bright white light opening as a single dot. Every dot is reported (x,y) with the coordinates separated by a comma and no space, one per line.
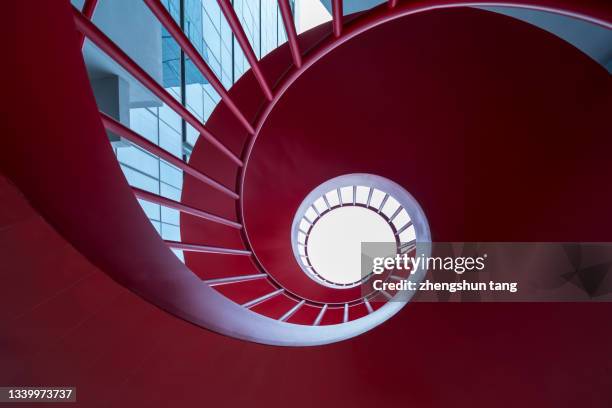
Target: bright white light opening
(334,242)
(339,215)
(309,14)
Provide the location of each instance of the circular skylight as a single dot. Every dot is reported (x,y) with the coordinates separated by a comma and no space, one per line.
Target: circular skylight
(339,215)
(334,242)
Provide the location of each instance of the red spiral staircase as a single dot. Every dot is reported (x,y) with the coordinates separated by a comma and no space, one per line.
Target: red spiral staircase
(497,128)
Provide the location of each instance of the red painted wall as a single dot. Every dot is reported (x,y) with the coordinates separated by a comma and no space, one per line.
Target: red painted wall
(508,125)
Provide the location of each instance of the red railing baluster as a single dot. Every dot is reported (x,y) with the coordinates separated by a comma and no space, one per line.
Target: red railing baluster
(111,49)
(234,279)
(179,36)
(166,202)
(114,126)
(88,9)
(262,299)
(285,9)
(337,17)
(234,23)
(206,248)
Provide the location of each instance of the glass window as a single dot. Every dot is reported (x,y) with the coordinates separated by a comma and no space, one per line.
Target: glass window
(159,55)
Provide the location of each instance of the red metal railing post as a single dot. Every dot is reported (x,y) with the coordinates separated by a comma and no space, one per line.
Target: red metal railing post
(234,23)
(207,249)
(179,36)
(291,33)
(114,126)
(88,9)
(196,212)
(111,49)
(337,11)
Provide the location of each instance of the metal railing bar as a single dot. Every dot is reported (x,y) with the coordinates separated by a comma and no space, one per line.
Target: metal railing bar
(291,311)
(114,126)
(326,201)
(294,47)
(88,10)
(320,316)
(176,205)
(404,228)
(179,36)
(368,306)
(409,243)
(206,248)
(100,39)
(383,202)
(370,196)
(261,299)
(314,207)
(234,279)
(337,11)
(396,213)
(232,19)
